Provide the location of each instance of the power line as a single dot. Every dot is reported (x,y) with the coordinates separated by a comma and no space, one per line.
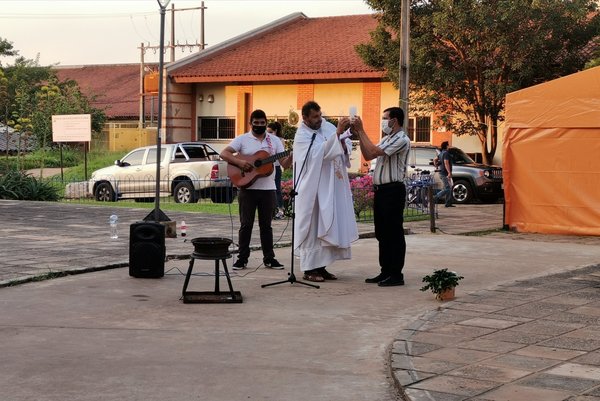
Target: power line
(71,16)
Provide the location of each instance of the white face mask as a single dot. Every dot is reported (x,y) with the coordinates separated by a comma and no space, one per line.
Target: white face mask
(385,127)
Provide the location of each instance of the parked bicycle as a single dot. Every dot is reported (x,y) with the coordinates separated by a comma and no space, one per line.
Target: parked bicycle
(417,194)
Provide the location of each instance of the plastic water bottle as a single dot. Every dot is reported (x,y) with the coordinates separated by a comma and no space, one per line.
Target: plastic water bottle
(112,220)
(183,228)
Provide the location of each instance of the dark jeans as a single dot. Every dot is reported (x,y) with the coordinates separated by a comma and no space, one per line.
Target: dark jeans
(278,194)
(251,200)
(388,214)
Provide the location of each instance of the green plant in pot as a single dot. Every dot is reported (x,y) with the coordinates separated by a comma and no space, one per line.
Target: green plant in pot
(442,282)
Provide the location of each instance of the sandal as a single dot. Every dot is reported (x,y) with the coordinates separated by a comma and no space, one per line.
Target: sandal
(326,275)
(313,276)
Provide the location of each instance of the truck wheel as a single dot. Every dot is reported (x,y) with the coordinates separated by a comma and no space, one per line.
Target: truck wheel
(105,193)
(462,191)
(184,192)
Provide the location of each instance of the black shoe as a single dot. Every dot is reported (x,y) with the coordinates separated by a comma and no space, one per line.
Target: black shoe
(391,282)
(450,206)
(240,264)
(326,275)
(272,263)
(377,278)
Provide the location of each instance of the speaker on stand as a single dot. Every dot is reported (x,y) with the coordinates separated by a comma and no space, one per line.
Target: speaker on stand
(147,250)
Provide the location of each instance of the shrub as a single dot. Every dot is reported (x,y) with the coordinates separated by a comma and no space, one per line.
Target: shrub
(18,185)
(362,192)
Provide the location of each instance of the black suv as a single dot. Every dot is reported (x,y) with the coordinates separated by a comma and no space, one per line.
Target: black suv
(471,180)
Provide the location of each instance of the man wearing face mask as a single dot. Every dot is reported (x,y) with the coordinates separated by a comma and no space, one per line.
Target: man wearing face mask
(325,225)
(390,193)
(261,194)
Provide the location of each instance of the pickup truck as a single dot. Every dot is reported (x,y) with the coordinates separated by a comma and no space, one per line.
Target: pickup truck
(189,171)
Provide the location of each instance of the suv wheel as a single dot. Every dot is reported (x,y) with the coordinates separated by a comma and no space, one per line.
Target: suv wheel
(184,192)
(462,191)
(104,193)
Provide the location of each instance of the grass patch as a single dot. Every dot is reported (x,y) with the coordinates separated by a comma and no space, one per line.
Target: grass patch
(201,207)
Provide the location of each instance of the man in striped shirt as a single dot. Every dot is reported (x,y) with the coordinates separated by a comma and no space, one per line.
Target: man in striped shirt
(390,193)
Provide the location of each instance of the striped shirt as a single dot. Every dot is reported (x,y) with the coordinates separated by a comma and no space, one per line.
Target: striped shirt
(392,167)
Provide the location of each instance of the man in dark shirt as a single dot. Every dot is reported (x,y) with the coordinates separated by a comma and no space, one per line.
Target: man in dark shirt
(445,165)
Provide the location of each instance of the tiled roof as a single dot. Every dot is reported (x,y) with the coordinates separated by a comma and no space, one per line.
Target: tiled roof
(295,49)
(115,86)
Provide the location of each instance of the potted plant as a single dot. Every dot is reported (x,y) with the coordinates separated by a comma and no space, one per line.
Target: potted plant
(442,282)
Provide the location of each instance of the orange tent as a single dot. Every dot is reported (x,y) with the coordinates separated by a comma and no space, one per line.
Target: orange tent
(551,156)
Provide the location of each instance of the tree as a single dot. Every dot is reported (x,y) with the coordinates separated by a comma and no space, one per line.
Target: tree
(6,48)
(595,61)
(466,55)
(34,94)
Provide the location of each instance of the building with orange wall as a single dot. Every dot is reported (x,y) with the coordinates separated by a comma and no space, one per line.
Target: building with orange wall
(277,68)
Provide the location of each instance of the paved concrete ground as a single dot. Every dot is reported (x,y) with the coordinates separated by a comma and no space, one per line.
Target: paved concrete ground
(106,336)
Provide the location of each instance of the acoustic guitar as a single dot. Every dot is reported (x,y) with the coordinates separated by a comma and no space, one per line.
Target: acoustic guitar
(263,166)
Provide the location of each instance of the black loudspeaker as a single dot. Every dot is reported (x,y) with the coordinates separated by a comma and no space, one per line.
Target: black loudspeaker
(147,250)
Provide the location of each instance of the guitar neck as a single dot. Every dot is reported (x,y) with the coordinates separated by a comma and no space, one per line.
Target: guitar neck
(272,158)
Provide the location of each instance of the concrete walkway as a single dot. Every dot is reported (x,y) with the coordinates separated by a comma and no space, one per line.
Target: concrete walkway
(106,336)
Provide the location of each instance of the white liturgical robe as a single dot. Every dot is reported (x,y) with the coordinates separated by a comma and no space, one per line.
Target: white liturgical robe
(325,225)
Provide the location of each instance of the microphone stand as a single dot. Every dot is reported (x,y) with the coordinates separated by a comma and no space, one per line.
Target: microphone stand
(291,276)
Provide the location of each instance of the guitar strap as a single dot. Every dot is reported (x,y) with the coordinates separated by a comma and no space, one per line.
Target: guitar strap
(270,145)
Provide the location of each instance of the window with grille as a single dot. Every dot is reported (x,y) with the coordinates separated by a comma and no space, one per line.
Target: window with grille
(216,128)
(419,129)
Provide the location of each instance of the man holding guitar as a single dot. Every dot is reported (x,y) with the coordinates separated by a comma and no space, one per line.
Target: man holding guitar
(250,157)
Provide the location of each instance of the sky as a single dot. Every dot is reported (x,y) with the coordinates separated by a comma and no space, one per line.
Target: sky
(78,32)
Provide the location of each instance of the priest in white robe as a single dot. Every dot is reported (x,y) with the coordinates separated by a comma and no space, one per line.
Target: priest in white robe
(325,225)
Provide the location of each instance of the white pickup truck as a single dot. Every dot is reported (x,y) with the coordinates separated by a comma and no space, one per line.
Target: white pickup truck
(188,171)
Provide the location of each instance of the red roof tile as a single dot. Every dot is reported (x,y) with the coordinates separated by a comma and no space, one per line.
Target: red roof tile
(302,48)
(115,86)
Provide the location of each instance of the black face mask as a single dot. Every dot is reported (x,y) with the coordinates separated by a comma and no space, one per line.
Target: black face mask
(259,129)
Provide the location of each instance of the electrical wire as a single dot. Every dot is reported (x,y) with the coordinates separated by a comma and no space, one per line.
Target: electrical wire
(136,31)
(74,16)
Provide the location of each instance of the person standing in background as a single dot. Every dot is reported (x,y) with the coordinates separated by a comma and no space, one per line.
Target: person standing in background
(275,128)
(445,165)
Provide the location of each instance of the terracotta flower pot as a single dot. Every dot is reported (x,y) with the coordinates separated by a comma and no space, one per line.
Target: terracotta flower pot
(446,295)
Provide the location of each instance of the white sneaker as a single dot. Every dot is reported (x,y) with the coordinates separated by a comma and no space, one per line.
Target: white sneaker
(279,215)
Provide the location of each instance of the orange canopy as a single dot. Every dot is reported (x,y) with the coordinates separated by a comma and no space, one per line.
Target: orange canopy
(551,156)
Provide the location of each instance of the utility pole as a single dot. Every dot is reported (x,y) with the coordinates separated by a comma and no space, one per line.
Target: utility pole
(142,111)
(202,43)
(172,32)
(403,76)
(172,45)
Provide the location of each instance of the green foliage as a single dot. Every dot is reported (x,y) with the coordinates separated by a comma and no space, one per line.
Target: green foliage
(595,61)
(30,94)
(468,54)
(96,160)
(6,48)
(440,281)
(42,157)
(18,185)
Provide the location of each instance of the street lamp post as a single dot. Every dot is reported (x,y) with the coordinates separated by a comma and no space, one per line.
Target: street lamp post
(158,214)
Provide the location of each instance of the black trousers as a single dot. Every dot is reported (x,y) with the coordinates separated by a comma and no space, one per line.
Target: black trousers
(388,214)
(251,200)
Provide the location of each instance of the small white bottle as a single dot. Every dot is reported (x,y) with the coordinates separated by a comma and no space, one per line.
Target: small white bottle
(183,228)
(112,220)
